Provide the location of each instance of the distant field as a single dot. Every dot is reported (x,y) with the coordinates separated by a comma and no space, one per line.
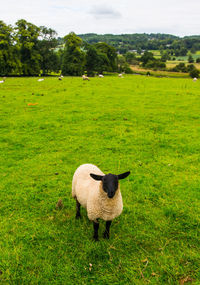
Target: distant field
(148,125)
(158,73)
(185,58)
(179,59)
(173,63)
(156,53)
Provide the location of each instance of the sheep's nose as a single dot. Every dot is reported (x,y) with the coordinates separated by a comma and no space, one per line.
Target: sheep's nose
(111,195)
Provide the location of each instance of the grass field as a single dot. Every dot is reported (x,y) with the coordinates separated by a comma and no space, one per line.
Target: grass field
(173,63)
(185,58)
(156,53)
(150,126)
(158,73)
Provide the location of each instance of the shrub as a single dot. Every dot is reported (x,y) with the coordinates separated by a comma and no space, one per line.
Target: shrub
(190,59)
(190,67)
(194,73)
(180,68)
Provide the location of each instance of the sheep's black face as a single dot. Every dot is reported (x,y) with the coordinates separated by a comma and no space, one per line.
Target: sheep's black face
(110,184)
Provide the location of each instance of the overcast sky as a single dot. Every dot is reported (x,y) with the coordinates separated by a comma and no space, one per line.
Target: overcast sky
(178,17)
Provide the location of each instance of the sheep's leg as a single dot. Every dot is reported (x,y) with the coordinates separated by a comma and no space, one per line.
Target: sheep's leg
(78,205)
(96,228)
(107,231)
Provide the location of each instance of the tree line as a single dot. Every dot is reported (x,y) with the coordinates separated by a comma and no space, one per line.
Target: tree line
(175,46)
(28,50)
(150,62)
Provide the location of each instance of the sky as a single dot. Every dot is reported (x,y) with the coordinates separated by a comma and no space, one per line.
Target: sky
(177,17)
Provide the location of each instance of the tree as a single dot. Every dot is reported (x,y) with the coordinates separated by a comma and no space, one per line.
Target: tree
(147,56)
(73,58)
(9,61)
(181,67)
(155,64)
(103,63)
(131,57)
(123,66)
(92,60)
(190,59)
(111,54)
(165,56)
(139,50)
(27,42)
(121,62)
(183,51)
(49,60)
(190,67)
(194,73)
(100,58)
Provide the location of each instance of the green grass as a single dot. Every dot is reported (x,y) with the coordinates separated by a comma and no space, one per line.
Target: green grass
(185,58)
(156,53)
(150,126)
(159,73)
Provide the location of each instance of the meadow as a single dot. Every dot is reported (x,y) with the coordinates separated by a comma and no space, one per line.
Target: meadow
(173,63)
(158,73)
(150,126)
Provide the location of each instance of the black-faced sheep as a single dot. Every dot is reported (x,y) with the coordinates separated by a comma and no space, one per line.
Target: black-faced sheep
(99,194)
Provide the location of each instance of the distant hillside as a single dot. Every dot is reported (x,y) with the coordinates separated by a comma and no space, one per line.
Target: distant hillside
(126,42)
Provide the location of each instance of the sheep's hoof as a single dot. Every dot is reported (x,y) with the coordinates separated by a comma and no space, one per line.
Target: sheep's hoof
(106,235)
(78,216)
(95,238)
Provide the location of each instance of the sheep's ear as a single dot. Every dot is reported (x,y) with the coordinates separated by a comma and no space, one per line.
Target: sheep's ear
(96,177)
(123,175)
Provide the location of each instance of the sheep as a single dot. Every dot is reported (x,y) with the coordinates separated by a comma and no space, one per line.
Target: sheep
(101,76)
(194,79)
(99,194)
(41,79)
(120,75)
(2,81)
(85,77)
(60,77)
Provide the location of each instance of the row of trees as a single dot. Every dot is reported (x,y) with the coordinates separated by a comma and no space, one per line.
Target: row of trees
(79,57)
(191,69)
(28,50)
(175,46)
(147,60)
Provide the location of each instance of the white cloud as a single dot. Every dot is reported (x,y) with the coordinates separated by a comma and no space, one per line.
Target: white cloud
(104,11)
(180,17)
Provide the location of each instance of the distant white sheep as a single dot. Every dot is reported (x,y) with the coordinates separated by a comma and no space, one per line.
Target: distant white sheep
(2,81)
(194,79)
(120,75)
(85,77)
(99,194)
(41,79)
(101,76)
